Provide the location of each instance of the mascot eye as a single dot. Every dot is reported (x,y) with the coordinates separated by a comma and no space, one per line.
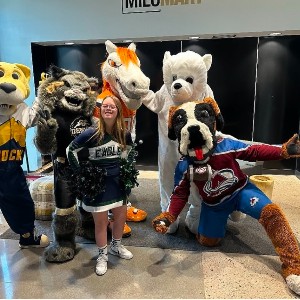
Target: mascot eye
(15,76)
(189,80)
(204,114)
(179,119)
(1,73)
(113,63)
(67,84)
(174,77)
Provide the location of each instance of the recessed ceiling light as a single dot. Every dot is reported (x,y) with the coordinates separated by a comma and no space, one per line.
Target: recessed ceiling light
(69,43)
(224,36)
(275,33)
(127,41)
(194,37)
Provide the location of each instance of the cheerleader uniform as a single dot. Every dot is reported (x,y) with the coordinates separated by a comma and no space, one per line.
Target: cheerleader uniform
(107,154)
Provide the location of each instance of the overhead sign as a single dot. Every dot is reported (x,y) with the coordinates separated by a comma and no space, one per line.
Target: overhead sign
(147,6)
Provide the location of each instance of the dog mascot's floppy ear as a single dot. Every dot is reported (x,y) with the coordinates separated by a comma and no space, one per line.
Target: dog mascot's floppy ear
(171,132)
(219,117)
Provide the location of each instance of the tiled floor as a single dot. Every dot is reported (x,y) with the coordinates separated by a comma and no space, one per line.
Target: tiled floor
(152,273)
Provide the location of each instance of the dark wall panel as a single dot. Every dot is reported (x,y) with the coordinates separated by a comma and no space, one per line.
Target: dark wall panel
(277,102)
(151,56)
(84,58)
(42,58)
(232,79)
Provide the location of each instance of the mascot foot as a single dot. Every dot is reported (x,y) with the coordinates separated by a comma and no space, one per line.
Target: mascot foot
(135,215)
(237,216)
(192,224)
(86,228)
(63,247)
(126,230)
(86,232)
(56,253)
(293,282)
(33,240)
(173,227)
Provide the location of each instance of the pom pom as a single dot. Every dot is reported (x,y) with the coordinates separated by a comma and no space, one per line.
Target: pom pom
(128,172)
(87,181)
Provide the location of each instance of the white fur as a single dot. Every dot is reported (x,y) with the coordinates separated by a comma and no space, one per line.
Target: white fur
(183,65)
(293,282)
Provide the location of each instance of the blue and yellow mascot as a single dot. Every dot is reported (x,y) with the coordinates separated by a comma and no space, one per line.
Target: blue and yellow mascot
(16,203)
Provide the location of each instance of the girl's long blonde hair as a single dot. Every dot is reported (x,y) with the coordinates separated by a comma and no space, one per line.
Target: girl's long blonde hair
(118,130)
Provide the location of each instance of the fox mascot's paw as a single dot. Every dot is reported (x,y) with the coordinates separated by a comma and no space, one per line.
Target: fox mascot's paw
(162,222)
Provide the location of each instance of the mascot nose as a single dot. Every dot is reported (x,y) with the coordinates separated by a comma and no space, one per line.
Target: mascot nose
(177,86)
(195,129)
(7,87)
(142,82)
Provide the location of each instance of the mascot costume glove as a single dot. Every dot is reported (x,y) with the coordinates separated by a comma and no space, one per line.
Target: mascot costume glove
(291,148)
(209,161)
(67,100)
(162,222)
(15,118)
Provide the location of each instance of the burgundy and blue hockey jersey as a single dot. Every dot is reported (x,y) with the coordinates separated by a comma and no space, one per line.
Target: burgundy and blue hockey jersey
(224,175)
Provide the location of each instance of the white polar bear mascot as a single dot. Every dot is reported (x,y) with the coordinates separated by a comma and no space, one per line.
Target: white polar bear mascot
(185,79)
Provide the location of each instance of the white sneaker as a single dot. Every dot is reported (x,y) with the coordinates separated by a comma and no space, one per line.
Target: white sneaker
(101,266)
(120,250)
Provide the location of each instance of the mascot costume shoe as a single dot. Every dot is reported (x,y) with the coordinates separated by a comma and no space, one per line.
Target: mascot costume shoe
(123,78)
(16,203)
(67,100)
(209,161)
(185,79)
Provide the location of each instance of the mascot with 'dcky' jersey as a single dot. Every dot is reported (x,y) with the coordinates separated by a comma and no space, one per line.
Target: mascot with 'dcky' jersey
(16,117)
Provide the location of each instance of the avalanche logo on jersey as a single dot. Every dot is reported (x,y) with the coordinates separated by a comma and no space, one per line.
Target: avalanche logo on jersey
(79,125)
(12,140)
(221,180)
